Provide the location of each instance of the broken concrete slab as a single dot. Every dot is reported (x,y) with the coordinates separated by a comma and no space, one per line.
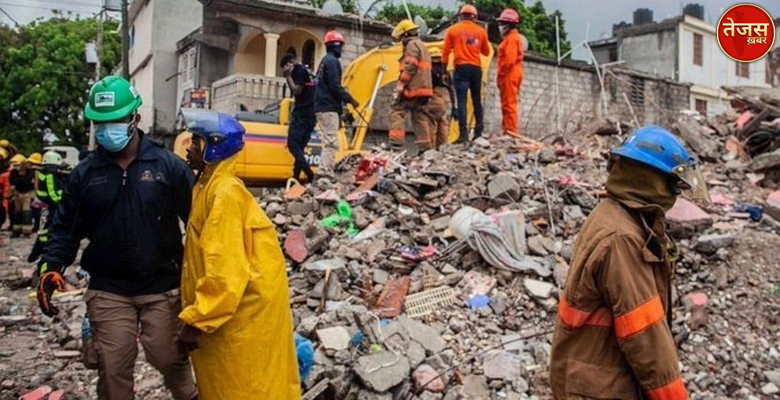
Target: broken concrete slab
(686,218)
(512,342)
(766,161)
(538,289)
(382,371)
(421,333)
(499,364)
(475,388)
(325,264)
(416,353)
(503,185)
(380,276)
(537,245)
(709,244)
(335,338)
(773,205)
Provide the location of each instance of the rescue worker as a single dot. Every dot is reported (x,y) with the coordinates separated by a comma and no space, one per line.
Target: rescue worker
(302,119)
(51,181)
(443,98)
(127,198)
(8,147)
(613,338)
(8,192)
(234,283)
(329,98)
(413,90)
(509,70)
(36,206)
(22,180)
(467,40)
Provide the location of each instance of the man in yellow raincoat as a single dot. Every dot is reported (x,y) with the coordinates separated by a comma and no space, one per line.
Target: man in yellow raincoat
(234,285)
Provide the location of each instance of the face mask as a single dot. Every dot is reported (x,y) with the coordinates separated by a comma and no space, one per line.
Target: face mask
(504,29)
(113,136)
(335,49)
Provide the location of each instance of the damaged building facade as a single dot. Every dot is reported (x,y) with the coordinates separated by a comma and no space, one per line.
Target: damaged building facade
(685,49)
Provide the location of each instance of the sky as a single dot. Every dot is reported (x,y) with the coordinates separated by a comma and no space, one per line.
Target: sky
(591,17)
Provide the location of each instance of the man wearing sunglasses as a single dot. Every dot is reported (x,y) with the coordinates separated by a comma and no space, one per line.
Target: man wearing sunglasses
(128,199)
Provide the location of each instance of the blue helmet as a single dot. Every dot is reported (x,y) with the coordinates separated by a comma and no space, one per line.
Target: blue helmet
(656,147)
(223,134)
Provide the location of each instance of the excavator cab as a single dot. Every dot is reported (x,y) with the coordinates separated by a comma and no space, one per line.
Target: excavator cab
(265,157)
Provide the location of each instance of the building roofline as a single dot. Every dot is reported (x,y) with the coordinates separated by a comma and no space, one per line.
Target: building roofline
(653,27)
(304,12)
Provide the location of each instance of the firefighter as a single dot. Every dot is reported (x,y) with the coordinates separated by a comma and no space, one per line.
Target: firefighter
(413,90)
(234,282)
(51,181)
(8,191)
(467,40)
(510,70)
(329,99)
(613,336)
(443,97)
(4,185)
(22,180)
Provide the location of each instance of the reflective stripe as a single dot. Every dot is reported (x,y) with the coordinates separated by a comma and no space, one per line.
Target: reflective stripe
(405,77)
(673,391)
(422,92)
(42,194)
(577,318)
(411,60)
(397,134)
(424,66)
(639,318)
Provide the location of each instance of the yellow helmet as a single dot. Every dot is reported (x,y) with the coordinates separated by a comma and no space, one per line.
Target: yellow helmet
(403,28)
(3,153)
(4,143)
(35,158)
(435,52)
(17,159)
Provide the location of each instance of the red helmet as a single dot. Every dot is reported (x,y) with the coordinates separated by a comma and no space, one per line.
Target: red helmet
(509,15)
(468,9)
(334,36)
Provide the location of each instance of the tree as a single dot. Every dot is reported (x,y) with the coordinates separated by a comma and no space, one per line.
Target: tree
(45,80)
(394,13)
(537,26)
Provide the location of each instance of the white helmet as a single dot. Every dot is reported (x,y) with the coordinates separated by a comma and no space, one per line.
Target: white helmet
(52,158)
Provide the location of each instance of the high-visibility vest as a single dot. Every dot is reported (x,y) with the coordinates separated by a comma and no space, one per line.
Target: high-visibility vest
(51,190)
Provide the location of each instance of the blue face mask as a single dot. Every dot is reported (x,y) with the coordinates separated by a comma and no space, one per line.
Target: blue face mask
(113,136)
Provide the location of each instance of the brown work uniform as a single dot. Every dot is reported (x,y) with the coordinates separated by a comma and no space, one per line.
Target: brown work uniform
(415,78)
(612,338)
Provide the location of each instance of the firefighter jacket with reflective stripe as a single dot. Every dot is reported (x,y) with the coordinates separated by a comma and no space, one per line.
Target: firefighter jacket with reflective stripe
(415,69)
(612,337)
(50,185)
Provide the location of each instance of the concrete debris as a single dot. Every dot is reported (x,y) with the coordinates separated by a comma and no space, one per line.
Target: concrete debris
(709,244)
(335,338)
(538,289)
(382,371)
(475,387)
(686,218)
(504,185)
(427,377)
(499,364)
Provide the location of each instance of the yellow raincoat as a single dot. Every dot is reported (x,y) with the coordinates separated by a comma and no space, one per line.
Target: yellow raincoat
(234,288)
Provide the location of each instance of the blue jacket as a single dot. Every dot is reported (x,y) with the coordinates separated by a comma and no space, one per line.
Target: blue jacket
(131,218)
(329,95)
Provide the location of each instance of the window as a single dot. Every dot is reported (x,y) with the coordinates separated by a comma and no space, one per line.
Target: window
(613,54)
(743,69)
(187,67)
(698,49)
(131,37)
(308,54)
(701,107)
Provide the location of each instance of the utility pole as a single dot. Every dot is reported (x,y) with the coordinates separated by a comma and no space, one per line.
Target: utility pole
(99,49)
(125,42)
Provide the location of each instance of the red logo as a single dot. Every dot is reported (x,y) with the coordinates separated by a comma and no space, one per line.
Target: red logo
(746,32)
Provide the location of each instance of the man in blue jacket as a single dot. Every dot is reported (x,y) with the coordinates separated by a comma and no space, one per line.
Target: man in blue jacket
(128,199)
(329,98)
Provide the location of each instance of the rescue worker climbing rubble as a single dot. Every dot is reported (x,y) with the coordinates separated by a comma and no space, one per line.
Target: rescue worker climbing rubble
(234,282)
(613,336)
(467,40)
(22,180)
(510,70)
(413,90)
(329,99)
(51,181)
(128,198)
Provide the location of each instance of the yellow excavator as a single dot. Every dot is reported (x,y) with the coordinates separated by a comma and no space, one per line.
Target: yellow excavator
(265,157)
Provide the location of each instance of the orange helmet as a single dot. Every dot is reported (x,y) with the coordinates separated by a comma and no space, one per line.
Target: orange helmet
(468,9)
(510,16)
(334,36)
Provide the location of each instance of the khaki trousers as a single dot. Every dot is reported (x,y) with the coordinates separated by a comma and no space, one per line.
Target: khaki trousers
(437,108)
(115,324)
(329,133)
(421,122)
(22,218)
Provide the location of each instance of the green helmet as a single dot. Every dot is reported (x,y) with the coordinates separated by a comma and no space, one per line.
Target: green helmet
(111,99)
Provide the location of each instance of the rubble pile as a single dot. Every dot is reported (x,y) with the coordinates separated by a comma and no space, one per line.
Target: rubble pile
(437,276)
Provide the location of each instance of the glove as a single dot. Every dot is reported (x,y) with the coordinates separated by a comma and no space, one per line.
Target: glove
(399,90)
(48,283)
(354,103)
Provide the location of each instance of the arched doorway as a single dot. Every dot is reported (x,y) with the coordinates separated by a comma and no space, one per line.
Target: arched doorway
(307,55)
(308,46)
(250,57)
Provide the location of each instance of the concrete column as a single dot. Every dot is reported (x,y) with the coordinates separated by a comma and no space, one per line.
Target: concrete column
(271,44)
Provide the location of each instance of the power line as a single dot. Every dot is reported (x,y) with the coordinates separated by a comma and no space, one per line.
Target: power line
(46,8)
(9,16)
(68,2)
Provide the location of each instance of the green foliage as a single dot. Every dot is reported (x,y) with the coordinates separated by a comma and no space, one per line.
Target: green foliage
(537,26)
(394,13)
(45,80)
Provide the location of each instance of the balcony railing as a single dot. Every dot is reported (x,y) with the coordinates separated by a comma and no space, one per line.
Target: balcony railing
(252,91)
